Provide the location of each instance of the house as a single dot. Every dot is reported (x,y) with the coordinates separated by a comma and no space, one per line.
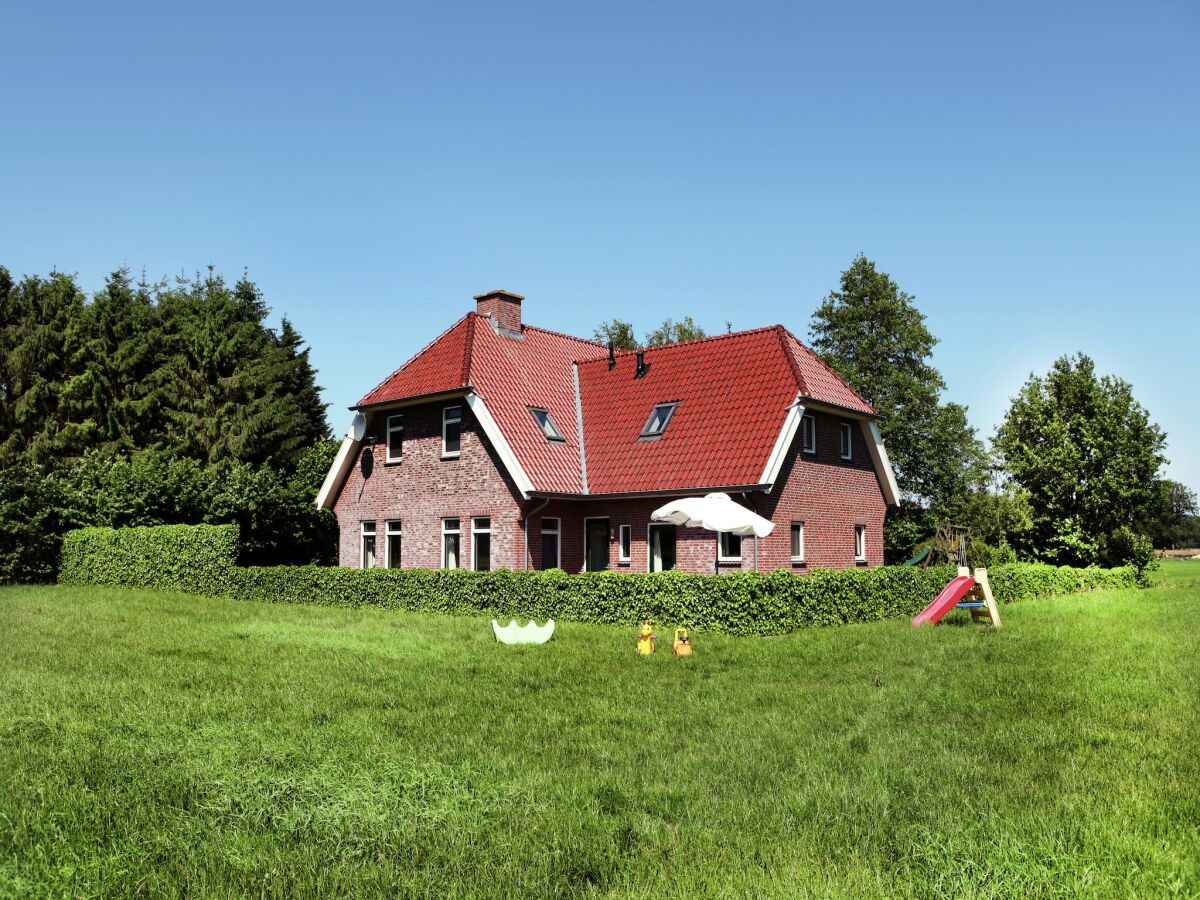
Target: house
(505,445)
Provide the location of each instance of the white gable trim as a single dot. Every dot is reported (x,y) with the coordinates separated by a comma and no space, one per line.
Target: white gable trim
(503,450)
(883,466)
(779,453)
(336,476)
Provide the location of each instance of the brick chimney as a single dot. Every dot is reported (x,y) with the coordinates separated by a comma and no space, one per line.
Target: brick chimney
(502,307)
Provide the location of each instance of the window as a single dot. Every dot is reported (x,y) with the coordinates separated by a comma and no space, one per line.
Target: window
(660,541)
(860,541)
(797,542)
(392,544)
(366,558)
(847,444)
(451,532)
(730,547)
(808,428)
(659,418)
(549,429)
(481,544)
(551,545)
(395,438)
(451,430)
(624,544)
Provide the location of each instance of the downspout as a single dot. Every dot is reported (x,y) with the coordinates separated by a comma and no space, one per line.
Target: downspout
(525,527)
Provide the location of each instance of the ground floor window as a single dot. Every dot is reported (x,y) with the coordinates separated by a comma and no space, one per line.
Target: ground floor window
(860,541)
(367,551)
(481,544)
(626,542)
(731,547)
(797,542)
(392,546)
(551,543)
(662,547)
(451,532)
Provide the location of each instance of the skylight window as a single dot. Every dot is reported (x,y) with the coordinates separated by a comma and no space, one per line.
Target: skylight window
(546,424)
(658,420)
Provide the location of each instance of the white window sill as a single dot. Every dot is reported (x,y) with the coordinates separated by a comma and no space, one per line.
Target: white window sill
(729,559)
(798,559)
(454,455)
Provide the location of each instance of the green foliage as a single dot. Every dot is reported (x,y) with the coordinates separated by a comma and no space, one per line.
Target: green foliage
(1173,522)
(744,603)
(619,333)
(1126,547)
(1088,456)
(670,332)
(34,513)
(171,557)
(872,334)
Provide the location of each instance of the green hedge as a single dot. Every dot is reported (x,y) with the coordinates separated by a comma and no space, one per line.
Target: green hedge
(201,558)
(195,558)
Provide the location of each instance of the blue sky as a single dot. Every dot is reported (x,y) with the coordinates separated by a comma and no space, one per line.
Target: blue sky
(1028,171)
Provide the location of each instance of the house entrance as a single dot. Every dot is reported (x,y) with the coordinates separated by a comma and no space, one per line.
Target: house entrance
(595,540)
(662,547)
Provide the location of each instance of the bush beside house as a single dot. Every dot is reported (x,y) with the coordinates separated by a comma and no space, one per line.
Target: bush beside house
(202,559)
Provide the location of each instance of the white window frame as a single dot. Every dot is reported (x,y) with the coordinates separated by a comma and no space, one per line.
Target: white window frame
(446,410)
(722,536)
(391,528)
(475,530)
(364,533)
(456,530)
(395,424)
(847,441)
(860,543)
(624,543)
(557,532)
(791,530)
(547,426)
(808,429)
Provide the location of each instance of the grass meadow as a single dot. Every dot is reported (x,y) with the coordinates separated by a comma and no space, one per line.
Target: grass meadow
(160,745)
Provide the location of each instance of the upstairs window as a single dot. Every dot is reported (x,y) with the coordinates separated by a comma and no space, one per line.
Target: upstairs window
(847,441)
(451,430)
(549,429)
(731,547)
(659,418)
(808,429)
(395,438)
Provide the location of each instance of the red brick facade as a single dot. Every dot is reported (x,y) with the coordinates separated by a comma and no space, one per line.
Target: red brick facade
(828,494)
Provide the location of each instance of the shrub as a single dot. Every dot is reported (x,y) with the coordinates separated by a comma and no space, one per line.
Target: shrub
(201,559)
(194,558)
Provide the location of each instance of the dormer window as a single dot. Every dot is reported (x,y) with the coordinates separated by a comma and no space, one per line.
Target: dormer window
(549,429)
(659,418)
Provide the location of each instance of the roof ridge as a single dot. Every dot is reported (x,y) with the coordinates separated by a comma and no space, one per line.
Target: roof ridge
(561,334)
(468,347)
(704,340)
(415,357)
(783,334)
(816,356)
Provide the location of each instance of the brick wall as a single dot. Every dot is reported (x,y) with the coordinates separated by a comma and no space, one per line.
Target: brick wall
(423,488)
(829,494)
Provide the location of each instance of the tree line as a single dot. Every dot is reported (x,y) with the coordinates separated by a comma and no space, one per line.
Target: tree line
(1072,474)
(150,403)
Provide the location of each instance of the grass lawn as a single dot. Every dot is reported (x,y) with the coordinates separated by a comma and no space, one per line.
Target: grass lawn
(157,744)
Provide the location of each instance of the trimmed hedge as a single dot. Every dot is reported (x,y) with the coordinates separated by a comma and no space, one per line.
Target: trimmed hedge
(200,559)
(194,558)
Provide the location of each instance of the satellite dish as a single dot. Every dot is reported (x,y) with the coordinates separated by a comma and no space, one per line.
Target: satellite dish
(358,428)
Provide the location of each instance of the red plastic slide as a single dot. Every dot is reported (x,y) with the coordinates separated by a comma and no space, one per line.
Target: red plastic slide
(951,595)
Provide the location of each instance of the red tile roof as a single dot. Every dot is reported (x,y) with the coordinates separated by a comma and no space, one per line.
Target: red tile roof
(733,392)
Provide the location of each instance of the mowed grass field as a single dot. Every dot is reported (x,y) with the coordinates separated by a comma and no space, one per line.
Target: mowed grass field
(162,745)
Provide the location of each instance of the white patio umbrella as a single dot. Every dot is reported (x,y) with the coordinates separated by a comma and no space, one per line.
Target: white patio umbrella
(716,512)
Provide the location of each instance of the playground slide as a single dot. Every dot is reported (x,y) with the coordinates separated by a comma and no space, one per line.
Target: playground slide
(951,595)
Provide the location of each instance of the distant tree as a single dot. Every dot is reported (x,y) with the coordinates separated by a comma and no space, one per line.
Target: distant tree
(671,332)
(1174,520)
(618,332)
(872,334)
(1087,454)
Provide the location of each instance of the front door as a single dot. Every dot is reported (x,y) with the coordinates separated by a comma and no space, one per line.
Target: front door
(662,547)
(595,548)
